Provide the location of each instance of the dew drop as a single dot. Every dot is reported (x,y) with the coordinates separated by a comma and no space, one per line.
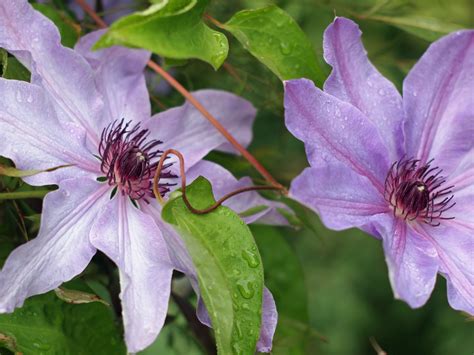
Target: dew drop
(246,289)
(19,97)
(30,98)
(285,48)
(381,92)
(251,258)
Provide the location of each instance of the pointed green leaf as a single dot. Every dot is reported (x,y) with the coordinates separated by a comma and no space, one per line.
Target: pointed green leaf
(275,39)
(77,297)
(13,172)
(172,29)
(228,265)
(427,28)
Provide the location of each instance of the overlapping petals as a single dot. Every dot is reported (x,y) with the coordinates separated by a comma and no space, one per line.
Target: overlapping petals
(358,126)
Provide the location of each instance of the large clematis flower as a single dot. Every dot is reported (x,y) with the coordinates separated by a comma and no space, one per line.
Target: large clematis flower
(91,110)
(400,169)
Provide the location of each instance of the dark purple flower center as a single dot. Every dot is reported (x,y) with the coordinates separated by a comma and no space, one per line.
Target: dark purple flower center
(129,160)
(417,191)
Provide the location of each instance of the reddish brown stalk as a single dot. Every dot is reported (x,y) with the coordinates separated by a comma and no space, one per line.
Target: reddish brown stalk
(182,173)
(186,94)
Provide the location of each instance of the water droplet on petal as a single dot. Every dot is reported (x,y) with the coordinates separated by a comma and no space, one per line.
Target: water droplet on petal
(18,96)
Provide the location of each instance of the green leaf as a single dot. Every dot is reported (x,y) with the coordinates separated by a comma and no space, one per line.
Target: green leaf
(15,70)
(285,278)
(228,265)
(3,61)
(13,172)
(172,29)
(274,38)
(47,325)
(77,297)
(303,214)
(68,30)
(427,28)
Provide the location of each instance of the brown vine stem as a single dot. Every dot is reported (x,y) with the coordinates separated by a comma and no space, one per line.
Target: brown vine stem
(186,94)
(182,173)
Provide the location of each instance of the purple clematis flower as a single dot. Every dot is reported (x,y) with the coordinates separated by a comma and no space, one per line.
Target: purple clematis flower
(401,170)
(92,110)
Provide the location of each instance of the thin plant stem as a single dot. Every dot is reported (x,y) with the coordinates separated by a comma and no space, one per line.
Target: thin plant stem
(182,172)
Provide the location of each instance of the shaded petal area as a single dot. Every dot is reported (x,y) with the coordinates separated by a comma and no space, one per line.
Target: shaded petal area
(119,75)
(223,182)
(355,80)
(133,241)
(439,111)
(33,137)
(335,130)
(61,250)
(341,197)
(65,75)
(412,260)
(185,129)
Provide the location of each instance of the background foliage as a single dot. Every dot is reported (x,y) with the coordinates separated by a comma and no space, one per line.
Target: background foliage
(331,288)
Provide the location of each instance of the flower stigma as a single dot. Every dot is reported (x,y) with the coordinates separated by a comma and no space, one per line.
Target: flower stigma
(416,192)
(129,160)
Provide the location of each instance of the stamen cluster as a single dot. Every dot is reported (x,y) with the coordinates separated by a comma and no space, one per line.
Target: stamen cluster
(129,161)
(416,191)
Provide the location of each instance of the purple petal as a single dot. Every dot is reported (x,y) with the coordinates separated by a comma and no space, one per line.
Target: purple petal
(341,197)
(65,75)
(133,241)
(224,182)
(412,260)
(335,130)
(119,75)
(438,99)
(355,80)
(33,137)
(185,129)
(455,246)
(269,322)
(61,250)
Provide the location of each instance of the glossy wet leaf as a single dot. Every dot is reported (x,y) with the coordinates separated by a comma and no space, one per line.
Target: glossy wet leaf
(228,265)
(275,39)
(47,325)
(172,29)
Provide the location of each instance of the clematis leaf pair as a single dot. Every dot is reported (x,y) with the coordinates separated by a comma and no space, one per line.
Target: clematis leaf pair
(175,29)
(229,268)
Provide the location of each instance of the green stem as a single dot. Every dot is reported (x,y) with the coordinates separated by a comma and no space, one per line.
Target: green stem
(23,194)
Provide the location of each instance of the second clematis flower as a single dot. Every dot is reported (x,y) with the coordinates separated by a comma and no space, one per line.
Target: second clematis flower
(91,110)
(400,169)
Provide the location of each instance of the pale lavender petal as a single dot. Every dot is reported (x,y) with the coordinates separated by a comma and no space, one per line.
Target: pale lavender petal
(119,75)
(224,182)
(412,260)
(335,130)
(439,102)
(341,197)
(355,80)
(65,75)
(269,322)
(455,246)
(33,137)
(61,250)
(184,128)
(134,242)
